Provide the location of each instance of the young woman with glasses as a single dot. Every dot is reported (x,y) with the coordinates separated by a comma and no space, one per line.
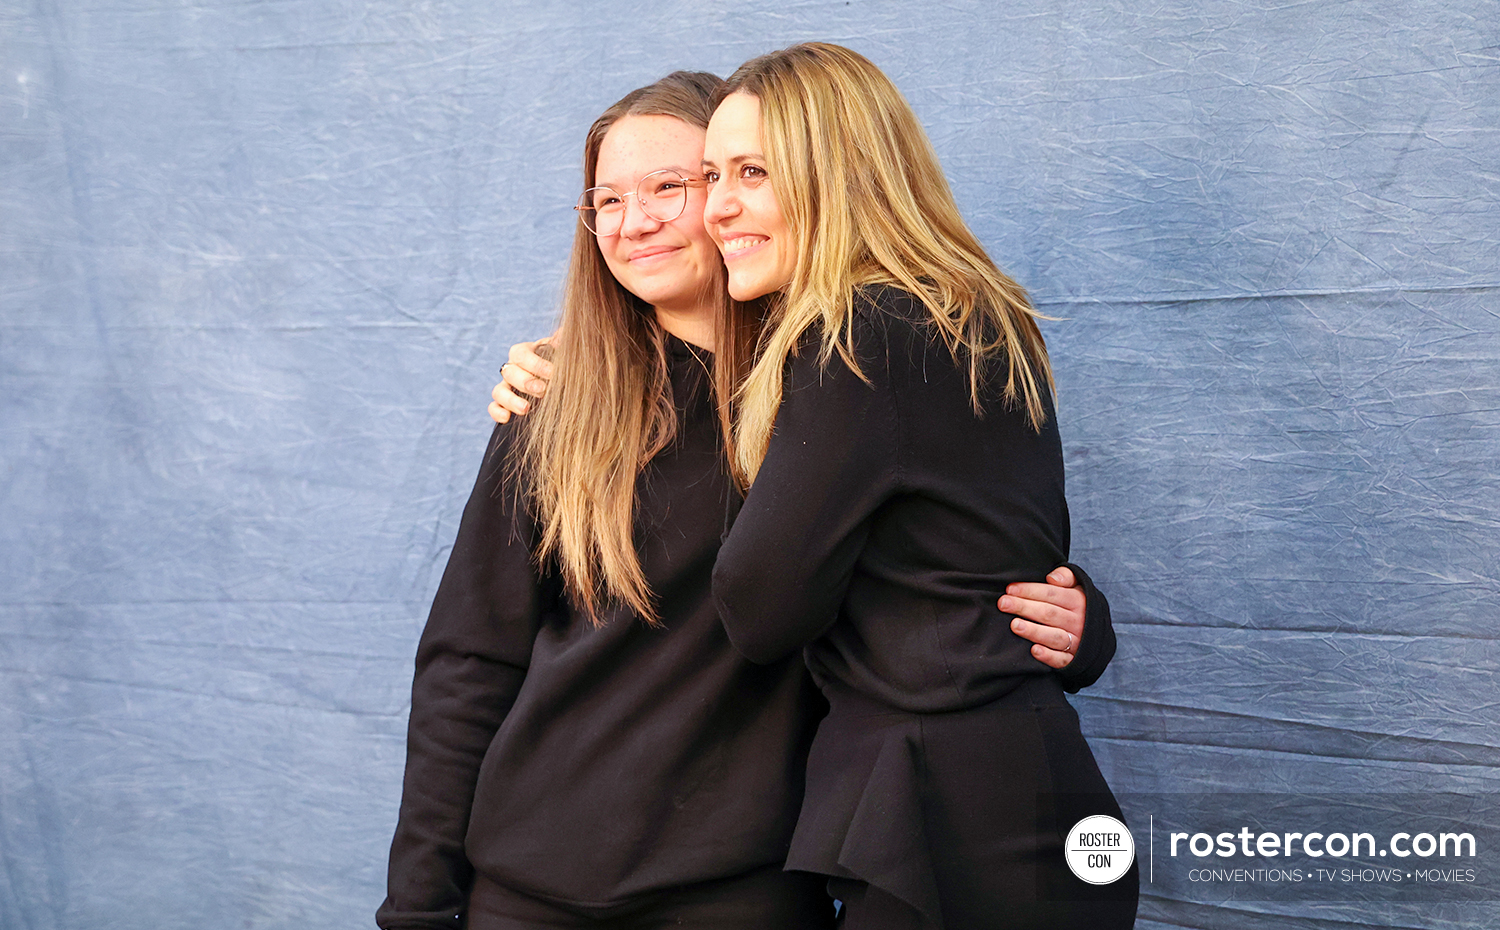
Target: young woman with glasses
(899,433)
(586,748)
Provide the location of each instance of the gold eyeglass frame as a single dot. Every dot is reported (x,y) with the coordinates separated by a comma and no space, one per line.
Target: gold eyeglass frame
(687,181)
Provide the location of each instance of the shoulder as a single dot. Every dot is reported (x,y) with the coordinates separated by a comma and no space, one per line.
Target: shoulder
(884,324)
(504,444)
(501,466)
(891,325)
(886,316)
(888,302)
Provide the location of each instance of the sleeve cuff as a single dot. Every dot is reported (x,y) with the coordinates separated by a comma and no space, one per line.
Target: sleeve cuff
(1097,645)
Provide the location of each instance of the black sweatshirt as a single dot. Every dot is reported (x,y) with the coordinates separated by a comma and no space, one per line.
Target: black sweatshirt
(589,766)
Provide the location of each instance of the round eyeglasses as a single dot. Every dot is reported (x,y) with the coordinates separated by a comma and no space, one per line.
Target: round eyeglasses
(662,195)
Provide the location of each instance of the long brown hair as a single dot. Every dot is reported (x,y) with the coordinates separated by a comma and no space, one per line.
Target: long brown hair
(609,410)
(863,194)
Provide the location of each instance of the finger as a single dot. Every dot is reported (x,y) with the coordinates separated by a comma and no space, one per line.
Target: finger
(536,364)
(1048,636)
(1051,657)
(1067,598)
(1069,620)
(498,413)
(521,380)
(524,355)
(521,349)
(509,399)
(1035,611)
(1062,576)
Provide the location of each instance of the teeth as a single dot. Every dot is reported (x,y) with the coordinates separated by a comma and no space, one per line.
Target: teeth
(742,243)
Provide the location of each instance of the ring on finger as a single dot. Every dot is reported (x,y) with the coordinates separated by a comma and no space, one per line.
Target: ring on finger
(1071,642)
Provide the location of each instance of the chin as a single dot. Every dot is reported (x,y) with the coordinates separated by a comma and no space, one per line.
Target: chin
(747,290)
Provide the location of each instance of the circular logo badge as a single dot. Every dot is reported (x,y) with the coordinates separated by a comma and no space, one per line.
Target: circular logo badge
(1100,849)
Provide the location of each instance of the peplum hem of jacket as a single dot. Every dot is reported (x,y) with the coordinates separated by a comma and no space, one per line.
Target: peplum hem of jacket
(862,816)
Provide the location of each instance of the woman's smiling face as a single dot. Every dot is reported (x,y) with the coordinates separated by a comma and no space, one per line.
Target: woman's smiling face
(742,212)
(671,265)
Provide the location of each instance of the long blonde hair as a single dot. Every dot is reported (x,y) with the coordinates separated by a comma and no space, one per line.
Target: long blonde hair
(609,410)
(862,192)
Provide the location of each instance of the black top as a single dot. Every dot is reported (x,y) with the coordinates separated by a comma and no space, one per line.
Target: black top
(590,766)
(890,506)
(884,522)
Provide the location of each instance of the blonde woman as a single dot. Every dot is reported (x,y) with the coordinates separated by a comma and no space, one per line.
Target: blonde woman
(902,448)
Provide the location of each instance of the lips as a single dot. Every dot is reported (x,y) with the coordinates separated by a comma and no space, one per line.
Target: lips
(651,251)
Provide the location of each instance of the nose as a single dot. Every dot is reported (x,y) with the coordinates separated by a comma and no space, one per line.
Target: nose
(720,205)
(636,222)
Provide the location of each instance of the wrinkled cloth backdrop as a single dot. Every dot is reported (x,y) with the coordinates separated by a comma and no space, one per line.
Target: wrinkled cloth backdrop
(259,263)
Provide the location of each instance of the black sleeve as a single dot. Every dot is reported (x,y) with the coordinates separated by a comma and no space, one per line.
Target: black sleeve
(471,661)
(785,568)
(1097,644)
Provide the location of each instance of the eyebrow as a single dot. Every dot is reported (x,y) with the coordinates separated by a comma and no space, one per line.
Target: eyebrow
(739,159)
(686,172)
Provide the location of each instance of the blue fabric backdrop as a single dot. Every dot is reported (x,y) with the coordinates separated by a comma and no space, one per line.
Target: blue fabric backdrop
(260,261)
